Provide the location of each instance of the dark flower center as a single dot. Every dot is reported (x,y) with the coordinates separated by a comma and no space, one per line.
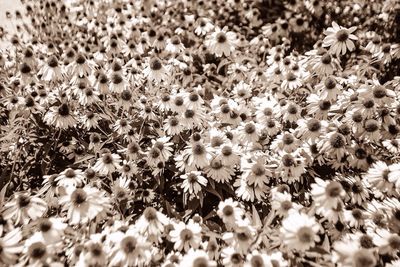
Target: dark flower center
(342,35)
(155,64)
(63,110)
(186,235)
(288,160)
(379,92)
(292,109)
(198,149)
(324,105)
(150,214)
(371,125)
(53,62)
(305,235)
(78,197)
(330,83)
(23,201)
(249,128)
(45,225)
(368,103)
(189,114)
(334,189)
(80,59)
(116,78)
(221,37)
(128,244)
(25,68)
(326,59)
(364,258)
(313,125)
(107,158)
(126,95)
(173,122)
(337,140)
(37,250)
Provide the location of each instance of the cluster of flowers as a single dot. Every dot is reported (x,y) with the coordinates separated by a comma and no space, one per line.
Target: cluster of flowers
(201,133)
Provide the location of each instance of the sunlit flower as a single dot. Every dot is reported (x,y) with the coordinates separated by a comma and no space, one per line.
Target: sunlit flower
(221,42)
(339,39)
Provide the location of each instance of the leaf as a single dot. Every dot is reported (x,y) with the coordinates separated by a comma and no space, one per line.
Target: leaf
(210,215)
(3,193)
(213,226)
(326,245)
(256,218)
(213,191)
(222,64)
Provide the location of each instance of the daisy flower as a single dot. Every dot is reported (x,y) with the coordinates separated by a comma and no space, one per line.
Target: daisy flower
(300,231)
(129,249)
(388,243)
(394,174)
(193,182)
(24,207)
(151,224)
(221,42)
(241,238)
(107,164)
(230,212)
(186,236)
(218,172)
(197,258)
(378,176)
(327,194)
(51,230)
(10,246)
(156,71)
(339,39)
(60,117)
(84,204)
(70,179)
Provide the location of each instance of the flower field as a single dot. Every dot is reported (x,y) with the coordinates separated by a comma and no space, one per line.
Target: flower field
(200,133)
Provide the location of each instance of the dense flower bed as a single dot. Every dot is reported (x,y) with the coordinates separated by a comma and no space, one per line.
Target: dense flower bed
(201,133)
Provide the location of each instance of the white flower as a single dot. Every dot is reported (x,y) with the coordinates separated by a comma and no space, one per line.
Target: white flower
(221,42)
(193,182)
(186,236)
(196,258)
(299,231)
(339,39)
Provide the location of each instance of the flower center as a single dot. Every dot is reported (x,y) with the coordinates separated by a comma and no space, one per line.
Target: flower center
(258,169)
(326,59)
(249,128)
(305,235)
(333,189)
(363,258)
(23,201)
(155,64)
(128,244)
(342,35)
(186,235)
(257,261)
(288,160)
(221,37)
(37,250)
(79,196)
(227,211)
(107,158)
(330,83)
(150,214)
(337,140)
(313,125)
(63,110)
(200,262)
(371,126)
